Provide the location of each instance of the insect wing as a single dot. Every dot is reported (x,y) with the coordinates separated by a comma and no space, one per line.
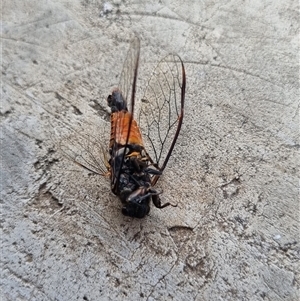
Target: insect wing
(127,84)
(161,112)
(86,151)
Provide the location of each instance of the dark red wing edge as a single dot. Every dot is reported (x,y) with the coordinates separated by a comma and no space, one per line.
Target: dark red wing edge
(180,119)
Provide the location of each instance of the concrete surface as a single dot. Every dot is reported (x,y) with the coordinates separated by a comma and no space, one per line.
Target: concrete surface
(234,171)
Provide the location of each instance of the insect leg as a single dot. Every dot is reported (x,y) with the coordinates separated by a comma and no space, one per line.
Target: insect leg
(157,202)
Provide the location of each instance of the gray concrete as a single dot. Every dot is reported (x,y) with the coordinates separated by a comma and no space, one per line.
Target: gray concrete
(234,172)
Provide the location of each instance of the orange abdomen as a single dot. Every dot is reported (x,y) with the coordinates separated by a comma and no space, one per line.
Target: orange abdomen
(120,122)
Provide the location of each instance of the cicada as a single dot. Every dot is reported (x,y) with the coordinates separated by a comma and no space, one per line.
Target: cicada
(135,162)
(133,170)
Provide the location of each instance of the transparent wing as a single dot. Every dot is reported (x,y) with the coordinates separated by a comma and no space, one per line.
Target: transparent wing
(90,151)
(86,150)
(161,112)
(127,84)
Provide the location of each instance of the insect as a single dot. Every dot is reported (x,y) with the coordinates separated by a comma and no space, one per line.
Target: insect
(136,162)
(133,171)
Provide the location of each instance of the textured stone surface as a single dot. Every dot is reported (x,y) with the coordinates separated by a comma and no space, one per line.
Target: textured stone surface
(234,171)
